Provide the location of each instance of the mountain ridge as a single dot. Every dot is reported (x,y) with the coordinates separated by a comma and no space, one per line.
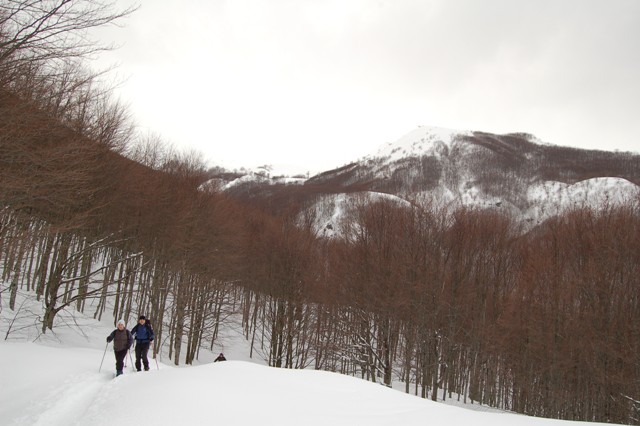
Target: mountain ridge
(514,172)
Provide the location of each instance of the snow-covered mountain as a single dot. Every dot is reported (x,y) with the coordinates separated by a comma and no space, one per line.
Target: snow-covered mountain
(515,173)
(423,141)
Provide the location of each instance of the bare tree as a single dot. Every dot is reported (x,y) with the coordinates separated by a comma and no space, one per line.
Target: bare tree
(51,31)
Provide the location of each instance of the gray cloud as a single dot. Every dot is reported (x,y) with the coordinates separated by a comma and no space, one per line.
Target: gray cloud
(253,80)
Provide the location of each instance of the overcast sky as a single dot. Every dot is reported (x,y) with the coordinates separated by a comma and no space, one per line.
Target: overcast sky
(319,83)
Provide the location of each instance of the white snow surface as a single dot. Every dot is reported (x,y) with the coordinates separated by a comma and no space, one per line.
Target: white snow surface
(598,191)
(541,201)
(56,382)
(263,177)
(331,210)
(425,140)
(551,198)
(62,386)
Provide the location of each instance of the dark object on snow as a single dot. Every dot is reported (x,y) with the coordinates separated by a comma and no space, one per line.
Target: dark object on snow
(121,337)
(142,331)
(120,355)
(220,358)
(144,336)
(142,348)
(105,352)
(122,341)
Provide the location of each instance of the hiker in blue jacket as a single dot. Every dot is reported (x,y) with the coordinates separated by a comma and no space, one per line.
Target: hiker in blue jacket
(144,336)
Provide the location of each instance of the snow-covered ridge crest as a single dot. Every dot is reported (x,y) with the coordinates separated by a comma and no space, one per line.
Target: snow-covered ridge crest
(514,173)
(266,174)
(425,140)
(550,198)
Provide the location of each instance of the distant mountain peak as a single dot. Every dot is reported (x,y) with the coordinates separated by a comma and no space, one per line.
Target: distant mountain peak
(424,140)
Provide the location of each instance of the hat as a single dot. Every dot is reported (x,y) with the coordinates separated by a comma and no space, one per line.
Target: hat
(142,317)
(121,322)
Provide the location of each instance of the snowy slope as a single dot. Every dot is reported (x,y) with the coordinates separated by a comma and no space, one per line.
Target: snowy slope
(331,210)
(551,198)
(452,178)
(425,140)
(61,380)
(62,387)
(451,169)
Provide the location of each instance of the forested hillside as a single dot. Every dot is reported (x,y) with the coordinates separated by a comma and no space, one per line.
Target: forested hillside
(454,303)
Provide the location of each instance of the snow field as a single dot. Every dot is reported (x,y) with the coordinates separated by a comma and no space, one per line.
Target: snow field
(61,386)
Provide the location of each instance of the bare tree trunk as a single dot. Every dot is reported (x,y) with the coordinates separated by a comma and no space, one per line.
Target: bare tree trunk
(54,282)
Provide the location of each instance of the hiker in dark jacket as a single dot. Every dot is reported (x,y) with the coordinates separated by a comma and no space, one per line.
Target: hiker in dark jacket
(144,336)
(122,341)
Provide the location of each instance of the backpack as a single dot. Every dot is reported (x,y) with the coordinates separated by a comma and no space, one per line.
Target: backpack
(147,323)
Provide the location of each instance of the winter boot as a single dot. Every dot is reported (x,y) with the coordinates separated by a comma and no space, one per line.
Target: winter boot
(118,372)
(146,369)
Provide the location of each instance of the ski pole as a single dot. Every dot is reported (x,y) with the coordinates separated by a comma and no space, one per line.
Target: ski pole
(105,352)
(131,359)
(155,355)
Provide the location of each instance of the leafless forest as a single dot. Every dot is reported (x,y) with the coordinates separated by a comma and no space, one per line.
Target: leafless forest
(460,304)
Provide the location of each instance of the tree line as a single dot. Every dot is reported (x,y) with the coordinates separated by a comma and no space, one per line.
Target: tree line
(455,304)
(463,305)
